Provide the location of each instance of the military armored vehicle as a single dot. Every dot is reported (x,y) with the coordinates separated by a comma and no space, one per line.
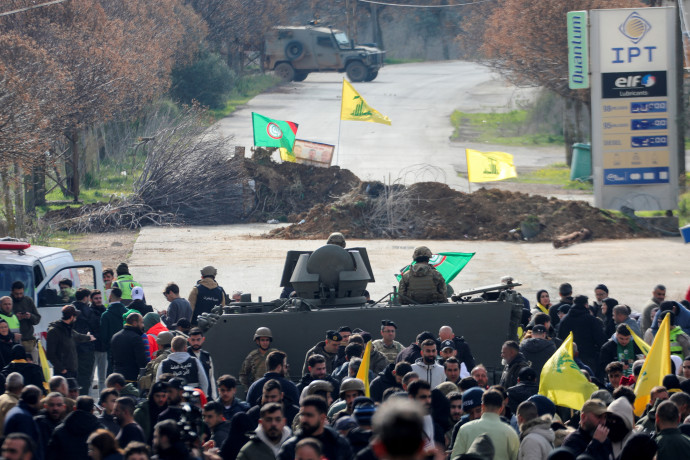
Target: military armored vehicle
(329,285)
(294,52)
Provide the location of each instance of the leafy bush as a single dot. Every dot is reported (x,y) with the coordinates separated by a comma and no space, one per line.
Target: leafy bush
(208,81)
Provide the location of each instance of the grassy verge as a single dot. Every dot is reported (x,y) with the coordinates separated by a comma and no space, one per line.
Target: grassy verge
(245,89)
(555,174)
(499,128)
(393,61)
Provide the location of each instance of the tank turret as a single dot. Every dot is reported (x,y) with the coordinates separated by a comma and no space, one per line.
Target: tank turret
(331,277)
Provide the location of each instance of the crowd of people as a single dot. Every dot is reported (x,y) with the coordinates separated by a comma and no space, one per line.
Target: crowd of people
(158,395)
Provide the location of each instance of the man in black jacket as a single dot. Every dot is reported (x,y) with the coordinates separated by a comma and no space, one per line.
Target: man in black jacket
(514,362)
(390,377)
(316,364)
(413,352)
(591,436)
(130,352)
(312,417)
(87,322)
(61,343)
(53,413)
(69,438)
(538,349)
(588,331)
(620,348)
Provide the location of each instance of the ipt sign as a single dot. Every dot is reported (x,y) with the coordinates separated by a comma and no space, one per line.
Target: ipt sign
(637,41)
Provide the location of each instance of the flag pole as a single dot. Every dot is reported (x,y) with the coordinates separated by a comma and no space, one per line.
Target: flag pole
(469,184)
(340,122)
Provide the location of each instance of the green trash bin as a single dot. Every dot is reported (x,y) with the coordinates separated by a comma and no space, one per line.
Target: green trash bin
(581,165)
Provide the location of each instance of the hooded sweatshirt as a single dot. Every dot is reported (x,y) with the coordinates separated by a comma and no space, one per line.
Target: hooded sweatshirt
(537,351)
(275,448)
(432,373)
(622,408)
(182,364)
(536,439)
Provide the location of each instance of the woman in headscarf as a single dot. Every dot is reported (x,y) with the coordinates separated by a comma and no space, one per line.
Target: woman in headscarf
(6,343)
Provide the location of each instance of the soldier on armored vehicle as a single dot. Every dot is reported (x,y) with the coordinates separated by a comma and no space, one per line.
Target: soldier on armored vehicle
(422,283)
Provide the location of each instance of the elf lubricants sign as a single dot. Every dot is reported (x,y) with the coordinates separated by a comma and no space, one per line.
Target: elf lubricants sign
(634,87)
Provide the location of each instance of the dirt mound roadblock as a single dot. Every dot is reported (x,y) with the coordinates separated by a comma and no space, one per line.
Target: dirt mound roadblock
(318,201)
(432,210)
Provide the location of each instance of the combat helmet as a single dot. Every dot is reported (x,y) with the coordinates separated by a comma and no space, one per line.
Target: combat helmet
(263,332)
(209,270)
(351,384)
(336,238)
(421,251)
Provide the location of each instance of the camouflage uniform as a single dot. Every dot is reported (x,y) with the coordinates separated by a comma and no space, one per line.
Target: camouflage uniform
(390,352)
(147,380)
(254,367)
(423,284)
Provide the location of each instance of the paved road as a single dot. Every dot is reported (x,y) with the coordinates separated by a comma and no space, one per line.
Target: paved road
(248,262)
(418,98)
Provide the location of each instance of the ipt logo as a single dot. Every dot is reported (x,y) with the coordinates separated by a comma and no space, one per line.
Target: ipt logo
(274,131)
(635,27)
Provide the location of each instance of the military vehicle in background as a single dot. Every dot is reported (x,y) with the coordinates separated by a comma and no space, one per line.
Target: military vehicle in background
(329,285)
(295,52)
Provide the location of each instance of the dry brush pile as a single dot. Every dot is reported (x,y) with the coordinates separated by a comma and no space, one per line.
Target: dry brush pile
(187,178)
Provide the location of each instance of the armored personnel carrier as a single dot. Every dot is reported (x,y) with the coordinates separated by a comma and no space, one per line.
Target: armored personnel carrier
(295,52)
(329,284)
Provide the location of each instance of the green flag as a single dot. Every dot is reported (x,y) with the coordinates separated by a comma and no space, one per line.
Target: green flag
(448,264)
(273,133)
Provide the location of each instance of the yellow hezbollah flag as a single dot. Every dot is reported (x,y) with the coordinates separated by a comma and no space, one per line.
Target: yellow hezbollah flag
(489,166)
(562,381)
(354,107)
(641,344)
(363,372)
(44,364)
(287,155)
(656,366)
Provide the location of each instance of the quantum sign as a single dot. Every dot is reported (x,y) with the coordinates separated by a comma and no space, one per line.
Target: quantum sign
(578,50)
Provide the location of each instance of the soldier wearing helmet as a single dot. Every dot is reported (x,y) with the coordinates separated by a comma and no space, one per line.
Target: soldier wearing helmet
(422,283)
(206,294)
(254,365)
(350,388)
(336,238)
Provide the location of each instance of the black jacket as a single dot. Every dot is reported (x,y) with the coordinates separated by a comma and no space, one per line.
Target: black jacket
(609,353)
(335,447)
(581,442)
(511,371)
(409,354)
(88,321)
(553,311)
(588,333)
(61,346)
(129,352)
(32,373)
(521,392)
(6,344)
(537,351)
(98,312)
(46,426)
(385,380)
(140,306)
(69,438)
(307,379)
(464,354)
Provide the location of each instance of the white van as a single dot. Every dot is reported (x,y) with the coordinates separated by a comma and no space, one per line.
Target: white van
(40,268)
